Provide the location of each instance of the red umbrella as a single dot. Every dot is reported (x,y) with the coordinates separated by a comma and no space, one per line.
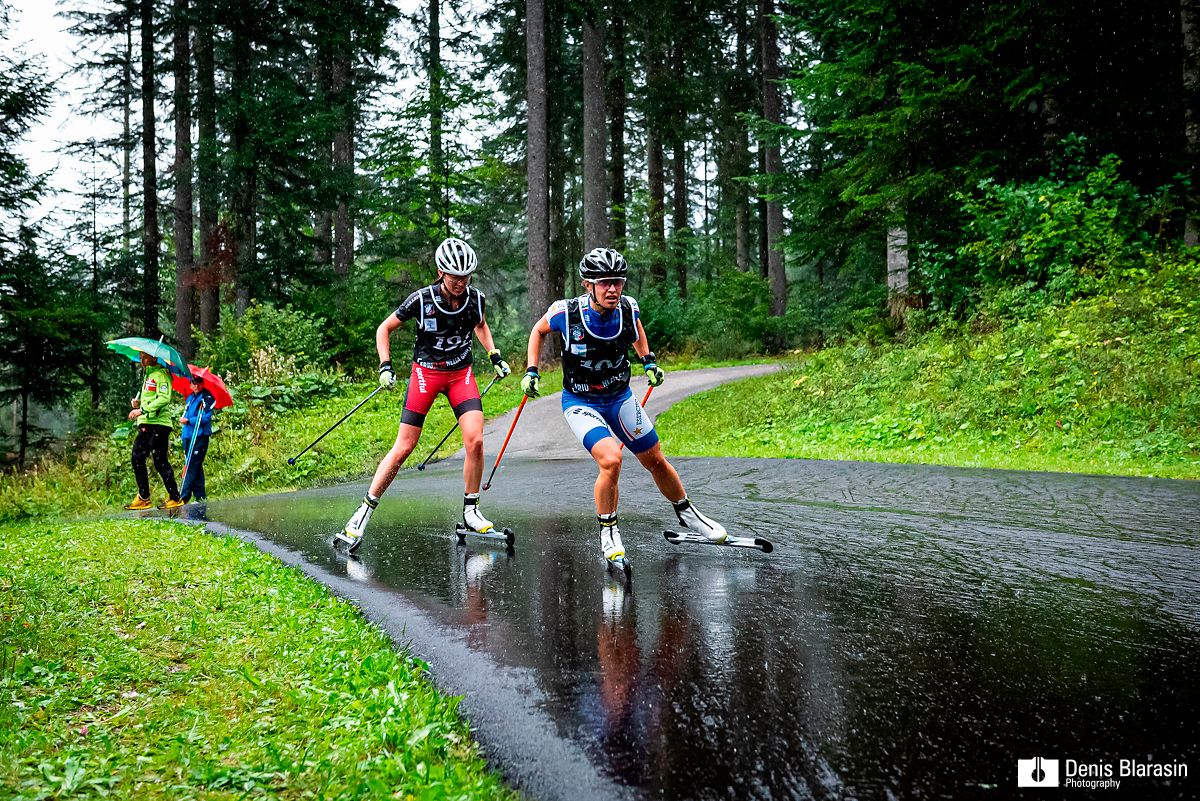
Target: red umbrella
(212,382)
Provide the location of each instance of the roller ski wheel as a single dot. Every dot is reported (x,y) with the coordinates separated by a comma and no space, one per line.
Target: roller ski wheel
(348,543)
(505,535)
(691,538)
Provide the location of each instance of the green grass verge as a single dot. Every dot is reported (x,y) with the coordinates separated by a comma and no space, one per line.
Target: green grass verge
(199,667)
(1107,384)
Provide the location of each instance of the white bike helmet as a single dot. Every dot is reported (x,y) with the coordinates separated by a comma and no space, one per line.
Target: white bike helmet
(603,263)
(455,257)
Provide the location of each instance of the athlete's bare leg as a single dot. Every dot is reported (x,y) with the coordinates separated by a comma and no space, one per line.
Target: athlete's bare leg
(471,424)
(665,477)
(607,453)
(406,440)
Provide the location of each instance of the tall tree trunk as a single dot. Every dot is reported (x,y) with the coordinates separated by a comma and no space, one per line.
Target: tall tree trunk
(741,147)
(184,245)
(772,114)
(764,257)
(323,217)
(343,166)
(23,443)
(741,213)
(616,97)
(657,211)
(595,221)
(680,229)
(209,284)
(1189,15)
(655,91)
(438,176)
(245,173)
(127,134)
(150,234)
(897,271)
(94,288)
(537,211)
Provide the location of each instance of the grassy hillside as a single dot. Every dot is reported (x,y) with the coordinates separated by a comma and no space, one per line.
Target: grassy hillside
(1109,383)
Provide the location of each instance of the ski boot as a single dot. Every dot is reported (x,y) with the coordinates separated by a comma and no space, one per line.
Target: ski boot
(690,516)
(138,504)
(352,535)
(473,519)
(475,523)
(611,545)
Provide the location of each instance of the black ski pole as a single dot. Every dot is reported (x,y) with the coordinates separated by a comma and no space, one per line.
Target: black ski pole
(453,428)
(335,425)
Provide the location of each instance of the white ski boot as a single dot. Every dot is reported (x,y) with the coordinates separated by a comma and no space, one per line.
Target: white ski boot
(690,516)
(610,539)
(356,527)
(472,519)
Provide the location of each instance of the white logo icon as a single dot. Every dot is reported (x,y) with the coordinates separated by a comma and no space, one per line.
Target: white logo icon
(1037,772)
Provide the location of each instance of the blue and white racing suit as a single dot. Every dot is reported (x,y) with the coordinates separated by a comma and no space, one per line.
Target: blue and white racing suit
(596,399)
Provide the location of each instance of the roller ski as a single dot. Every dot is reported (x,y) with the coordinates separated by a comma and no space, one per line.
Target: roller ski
(703,530)
(356,527)
(612,547)
(730,541)
(477,525)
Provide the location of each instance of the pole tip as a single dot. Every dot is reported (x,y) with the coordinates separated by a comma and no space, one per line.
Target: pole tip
(485,486)
(292,460)
(421,466)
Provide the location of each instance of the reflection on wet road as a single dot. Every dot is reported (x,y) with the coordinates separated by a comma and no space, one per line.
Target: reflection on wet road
(915,633)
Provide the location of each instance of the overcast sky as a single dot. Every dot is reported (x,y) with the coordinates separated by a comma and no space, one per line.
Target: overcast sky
(36,32)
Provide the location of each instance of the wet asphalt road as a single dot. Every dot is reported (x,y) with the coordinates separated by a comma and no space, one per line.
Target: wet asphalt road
(917,630)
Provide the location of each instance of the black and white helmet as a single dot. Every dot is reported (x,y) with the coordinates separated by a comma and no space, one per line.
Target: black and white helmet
(455,257)
(603,263)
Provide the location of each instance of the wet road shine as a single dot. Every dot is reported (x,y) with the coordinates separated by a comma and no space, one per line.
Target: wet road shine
(916,632)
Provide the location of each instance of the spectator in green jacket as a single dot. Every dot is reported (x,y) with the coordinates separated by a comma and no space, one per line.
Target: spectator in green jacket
(152,413)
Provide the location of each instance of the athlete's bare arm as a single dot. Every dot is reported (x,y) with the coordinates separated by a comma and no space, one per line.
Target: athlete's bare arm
(383,337)
(642,345)
(540,329)
(484,335)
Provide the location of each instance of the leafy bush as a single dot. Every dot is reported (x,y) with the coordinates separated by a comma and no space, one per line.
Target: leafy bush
(287,331)
(1044,241)
(726,318)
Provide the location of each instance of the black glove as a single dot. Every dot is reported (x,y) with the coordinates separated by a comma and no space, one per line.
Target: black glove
(387,377)
(498,364)
(531,383)
(654,373)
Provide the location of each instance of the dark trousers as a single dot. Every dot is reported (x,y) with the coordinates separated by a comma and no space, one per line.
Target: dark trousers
(193,476)
(153,441)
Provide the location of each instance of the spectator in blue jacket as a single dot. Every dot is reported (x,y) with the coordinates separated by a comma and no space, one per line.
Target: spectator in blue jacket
(197,428)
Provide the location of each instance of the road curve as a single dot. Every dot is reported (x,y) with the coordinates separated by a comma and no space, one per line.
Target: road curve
(543,434)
